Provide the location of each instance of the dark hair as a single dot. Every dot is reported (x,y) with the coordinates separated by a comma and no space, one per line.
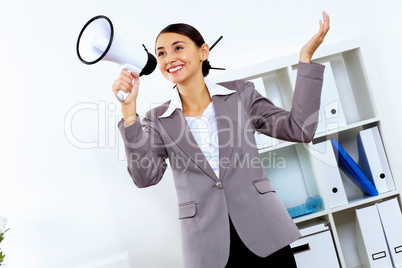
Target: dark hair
(193,34)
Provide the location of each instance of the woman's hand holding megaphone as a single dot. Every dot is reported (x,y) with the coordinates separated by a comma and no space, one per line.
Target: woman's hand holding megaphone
(128,82)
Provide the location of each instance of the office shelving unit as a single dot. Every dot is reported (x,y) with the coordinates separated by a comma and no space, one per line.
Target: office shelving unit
(363,105)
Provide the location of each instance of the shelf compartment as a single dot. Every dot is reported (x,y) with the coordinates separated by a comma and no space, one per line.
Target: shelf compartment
(324,135)
(290,172)
(348,140)
(352,84)
(345,224)
(275,86)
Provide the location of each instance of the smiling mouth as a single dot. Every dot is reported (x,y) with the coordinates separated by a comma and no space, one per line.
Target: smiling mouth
(175,69)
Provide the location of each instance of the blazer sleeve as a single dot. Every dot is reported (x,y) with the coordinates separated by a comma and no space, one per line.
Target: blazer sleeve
(299,124)
(145,151)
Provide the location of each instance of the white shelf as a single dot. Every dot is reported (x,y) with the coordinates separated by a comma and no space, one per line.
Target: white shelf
(308,217)
(352,75)
(348,127)
(366,200)
(283,144)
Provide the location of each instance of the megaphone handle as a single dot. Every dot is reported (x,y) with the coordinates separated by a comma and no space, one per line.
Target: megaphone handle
(131,68)
(122,95)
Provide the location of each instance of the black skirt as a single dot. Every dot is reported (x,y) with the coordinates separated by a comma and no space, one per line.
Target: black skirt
(240,256)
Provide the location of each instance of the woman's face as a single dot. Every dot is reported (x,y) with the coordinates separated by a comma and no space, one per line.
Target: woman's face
(179,58)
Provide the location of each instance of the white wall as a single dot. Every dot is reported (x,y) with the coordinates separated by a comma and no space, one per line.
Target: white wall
(68,205)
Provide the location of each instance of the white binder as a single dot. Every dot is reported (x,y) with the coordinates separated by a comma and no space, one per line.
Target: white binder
(315,249)
(391,218)
(370,239)
(331,107)
(373,160)
(331,114)
(325,161)
(263,140)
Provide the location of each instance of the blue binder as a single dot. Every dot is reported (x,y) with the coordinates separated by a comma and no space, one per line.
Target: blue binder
(352,170)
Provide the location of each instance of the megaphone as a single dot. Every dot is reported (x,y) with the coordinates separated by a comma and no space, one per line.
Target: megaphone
(98,41)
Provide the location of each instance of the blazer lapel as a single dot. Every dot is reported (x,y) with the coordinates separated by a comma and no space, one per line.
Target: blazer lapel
(225,107)
(178,130)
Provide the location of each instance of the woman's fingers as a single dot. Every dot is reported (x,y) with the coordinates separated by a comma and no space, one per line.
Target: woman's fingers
(324,25)
(324,28)
(129,83)
(308,49)
(136,77)
(123,82)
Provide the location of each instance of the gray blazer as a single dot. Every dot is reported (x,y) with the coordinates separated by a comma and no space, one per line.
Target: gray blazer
(242,190)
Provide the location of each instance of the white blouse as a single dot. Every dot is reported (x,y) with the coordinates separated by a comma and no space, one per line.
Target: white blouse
(205,132)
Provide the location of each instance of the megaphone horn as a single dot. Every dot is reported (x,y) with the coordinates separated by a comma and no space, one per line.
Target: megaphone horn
(97,41)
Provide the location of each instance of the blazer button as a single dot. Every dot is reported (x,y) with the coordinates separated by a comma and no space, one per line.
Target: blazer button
(219,185)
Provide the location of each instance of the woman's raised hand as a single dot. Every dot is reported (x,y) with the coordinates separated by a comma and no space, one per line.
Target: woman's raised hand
(307,51)
(128,82)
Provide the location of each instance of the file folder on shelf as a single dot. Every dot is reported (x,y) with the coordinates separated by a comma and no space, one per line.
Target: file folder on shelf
(373,160)
(391,219)
(331,107)
(315,249)
(371,243)
(352,170)
(329,173)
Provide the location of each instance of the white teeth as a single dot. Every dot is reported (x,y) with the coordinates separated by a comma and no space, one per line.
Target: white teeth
(175,69)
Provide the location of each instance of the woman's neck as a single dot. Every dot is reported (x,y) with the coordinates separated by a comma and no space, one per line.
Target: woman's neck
(194,96)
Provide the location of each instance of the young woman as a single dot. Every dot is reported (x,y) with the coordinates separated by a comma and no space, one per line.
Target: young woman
(228,209)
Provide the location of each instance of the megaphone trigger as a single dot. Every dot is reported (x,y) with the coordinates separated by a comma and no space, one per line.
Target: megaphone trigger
(131,68)
(121,95)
